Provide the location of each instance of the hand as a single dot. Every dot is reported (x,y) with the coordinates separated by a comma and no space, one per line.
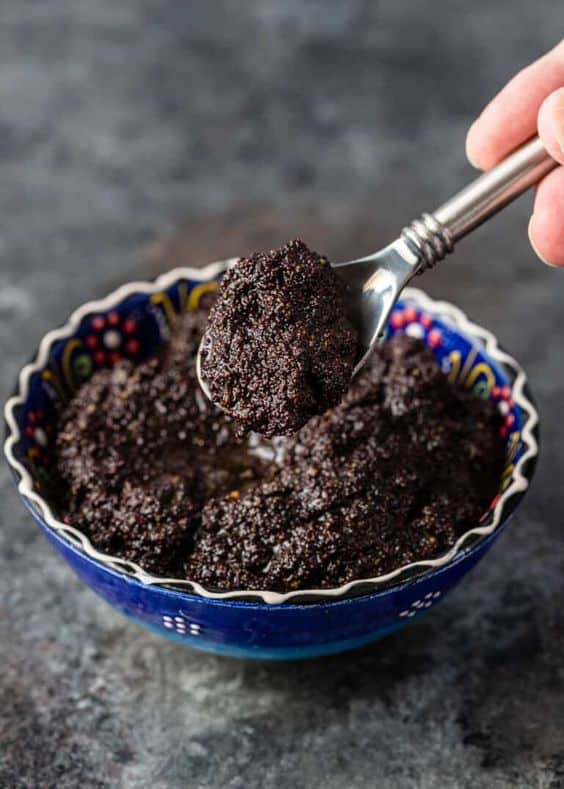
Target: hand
(534,99)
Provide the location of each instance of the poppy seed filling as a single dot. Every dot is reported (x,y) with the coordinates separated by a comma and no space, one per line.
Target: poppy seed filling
(279,347)
(395,473)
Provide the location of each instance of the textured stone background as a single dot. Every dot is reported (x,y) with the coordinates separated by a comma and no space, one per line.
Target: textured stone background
(139,134)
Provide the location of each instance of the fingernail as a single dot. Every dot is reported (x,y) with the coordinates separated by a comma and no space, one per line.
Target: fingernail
(468,153)
(535,250)
(557,113)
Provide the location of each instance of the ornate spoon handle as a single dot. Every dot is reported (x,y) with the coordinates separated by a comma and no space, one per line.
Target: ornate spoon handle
(434,235)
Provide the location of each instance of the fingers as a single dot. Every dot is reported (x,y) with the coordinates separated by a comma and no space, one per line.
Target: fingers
(533,99)
(551,124)
(511,117)
(546,228)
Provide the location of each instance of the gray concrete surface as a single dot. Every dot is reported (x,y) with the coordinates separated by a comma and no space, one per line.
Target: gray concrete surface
(136,135)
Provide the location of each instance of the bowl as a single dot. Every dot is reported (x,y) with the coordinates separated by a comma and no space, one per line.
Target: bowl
(133,322)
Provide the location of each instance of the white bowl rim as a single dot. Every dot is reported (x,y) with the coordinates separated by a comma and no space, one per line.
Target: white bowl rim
(517,486)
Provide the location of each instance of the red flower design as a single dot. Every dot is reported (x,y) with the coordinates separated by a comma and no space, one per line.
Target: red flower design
(39,434)
(502,396)
(416,324)
(111,338)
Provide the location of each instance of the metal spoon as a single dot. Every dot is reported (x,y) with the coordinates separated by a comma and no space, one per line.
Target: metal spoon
(376,281)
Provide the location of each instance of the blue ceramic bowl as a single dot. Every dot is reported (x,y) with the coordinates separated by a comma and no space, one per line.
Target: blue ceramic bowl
(133,322)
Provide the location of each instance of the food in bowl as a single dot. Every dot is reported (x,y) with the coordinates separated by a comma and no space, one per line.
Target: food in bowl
(279,348)
(135,322)
(394,474)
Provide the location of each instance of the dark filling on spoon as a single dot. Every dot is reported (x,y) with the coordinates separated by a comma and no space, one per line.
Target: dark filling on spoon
(279,347)
(394,474)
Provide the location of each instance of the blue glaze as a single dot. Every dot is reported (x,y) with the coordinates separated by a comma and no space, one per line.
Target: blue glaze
(238,627)
(259,630)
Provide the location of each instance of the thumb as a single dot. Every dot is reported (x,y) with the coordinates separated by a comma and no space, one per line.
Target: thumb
(551,124)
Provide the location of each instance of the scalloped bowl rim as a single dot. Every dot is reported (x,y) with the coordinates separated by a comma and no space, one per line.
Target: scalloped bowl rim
(517,487)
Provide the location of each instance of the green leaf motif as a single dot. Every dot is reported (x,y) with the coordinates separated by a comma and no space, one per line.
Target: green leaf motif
(43,474)
(82,366)
(481,389)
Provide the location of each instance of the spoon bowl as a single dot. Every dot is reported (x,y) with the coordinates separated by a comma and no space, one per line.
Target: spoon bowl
(201,380)
(374,284)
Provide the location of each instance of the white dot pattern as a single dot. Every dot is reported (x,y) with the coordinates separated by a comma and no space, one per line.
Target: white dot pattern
(420,605)
(415,330)
(181,625)
(40,436)
(112,339)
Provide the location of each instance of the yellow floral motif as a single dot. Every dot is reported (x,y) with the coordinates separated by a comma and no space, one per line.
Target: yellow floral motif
(484,386)
(70,347)
(196,294)
(514,441)
(65,386)
(50,377)
(189,302)
(163,300)
(455,359)
(507,473)
(481,378)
